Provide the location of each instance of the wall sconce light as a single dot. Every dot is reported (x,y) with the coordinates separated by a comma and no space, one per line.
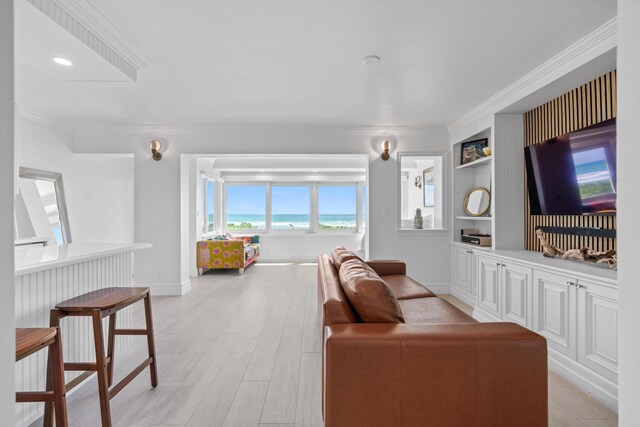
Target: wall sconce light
(155,147)
(418,182)
(384,146)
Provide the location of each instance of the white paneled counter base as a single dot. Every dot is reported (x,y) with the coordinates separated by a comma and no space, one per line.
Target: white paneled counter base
(574,305)
(45,276)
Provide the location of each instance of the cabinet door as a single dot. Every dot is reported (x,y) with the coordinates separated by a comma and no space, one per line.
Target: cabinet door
(489,285)
(598,328)
(554,310)
(516,286)
(461,270)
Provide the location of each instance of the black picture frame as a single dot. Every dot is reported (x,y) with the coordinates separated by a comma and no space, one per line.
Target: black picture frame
(470,151)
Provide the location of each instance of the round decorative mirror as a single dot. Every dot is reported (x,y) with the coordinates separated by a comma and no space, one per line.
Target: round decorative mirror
(477,201)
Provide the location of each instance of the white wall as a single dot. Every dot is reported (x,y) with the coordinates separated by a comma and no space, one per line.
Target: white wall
(98,188)
(628,207)
(157,186)
(7,321)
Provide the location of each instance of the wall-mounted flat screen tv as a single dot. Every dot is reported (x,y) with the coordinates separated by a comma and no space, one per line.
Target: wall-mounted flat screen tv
(575,173)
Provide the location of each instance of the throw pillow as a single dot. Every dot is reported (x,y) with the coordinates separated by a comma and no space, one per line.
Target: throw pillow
(340,254)
(368,294)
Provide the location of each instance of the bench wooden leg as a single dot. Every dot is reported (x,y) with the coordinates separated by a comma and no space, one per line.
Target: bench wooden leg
(101,369)
(111,341)
(151,344)
(54,322)
(57,377)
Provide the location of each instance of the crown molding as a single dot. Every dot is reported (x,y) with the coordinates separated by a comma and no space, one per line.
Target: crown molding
(89,17)
(42,118)
(594,44)
(89,26)
(328,130)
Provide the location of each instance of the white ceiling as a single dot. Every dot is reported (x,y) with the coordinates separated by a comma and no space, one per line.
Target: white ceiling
(299,61)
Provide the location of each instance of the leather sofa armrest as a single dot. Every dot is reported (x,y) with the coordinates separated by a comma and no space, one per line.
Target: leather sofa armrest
(388,267)
(464,374)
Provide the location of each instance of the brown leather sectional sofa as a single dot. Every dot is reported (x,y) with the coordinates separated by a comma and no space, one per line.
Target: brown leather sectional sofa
(438,368)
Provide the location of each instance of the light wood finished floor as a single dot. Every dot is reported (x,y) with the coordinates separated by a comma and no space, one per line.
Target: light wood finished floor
(245,351)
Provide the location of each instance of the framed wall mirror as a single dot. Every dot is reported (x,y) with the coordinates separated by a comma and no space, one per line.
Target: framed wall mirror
(477,201)
(41,209)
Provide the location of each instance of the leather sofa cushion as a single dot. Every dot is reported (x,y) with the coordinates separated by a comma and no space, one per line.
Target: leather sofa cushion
(404,287)
(333,304)
(368,294)
(340,254)
(432,310)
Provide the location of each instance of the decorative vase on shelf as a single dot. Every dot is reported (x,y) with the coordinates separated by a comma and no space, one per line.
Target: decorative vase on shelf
(417,220)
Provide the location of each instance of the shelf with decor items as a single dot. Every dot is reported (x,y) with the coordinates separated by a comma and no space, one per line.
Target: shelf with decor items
(475,174)
(485,161)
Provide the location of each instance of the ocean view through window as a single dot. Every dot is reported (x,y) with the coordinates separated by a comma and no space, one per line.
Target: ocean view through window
(290,207)
(246,207)
(337,207)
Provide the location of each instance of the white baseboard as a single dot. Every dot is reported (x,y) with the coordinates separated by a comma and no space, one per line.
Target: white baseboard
(170,289)
(465,297)
(437,288)
(292,259)
(584,378)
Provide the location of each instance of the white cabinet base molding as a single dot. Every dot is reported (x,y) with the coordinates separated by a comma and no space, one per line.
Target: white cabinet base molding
(574,306)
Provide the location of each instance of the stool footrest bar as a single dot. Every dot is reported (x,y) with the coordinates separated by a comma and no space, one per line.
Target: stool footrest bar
(126,380)
(34,396)
(130,332)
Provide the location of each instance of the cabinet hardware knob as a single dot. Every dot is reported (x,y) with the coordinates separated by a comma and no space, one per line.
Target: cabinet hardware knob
(469,252)
(504,265)
(497,264)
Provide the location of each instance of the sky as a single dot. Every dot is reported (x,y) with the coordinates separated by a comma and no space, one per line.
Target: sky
(589,156)
(250,199)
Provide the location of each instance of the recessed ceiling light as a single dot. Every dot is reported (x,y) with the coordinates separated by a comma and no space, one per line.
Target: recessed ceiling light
(371,60)
(62,61)
(315,170)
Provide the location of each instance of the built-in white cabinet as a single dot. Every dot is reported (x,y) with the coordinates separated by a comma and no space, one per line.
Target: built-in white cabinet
(462,274)
(597,307)
(516,293)
(573,305)
(489,285)
(504,289)
(554,310)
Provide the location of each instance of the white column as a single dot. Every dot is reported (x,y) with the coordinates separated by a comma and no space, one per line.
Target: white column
(628,208)
(7,321)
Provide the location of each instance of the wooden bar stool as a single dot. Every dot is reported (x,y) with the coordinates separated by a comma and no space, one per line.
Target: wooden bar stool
(99,304)
(31,340)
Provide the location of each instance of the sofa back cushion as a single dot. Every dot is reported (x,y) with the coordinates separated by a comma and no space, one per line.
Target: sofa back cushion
(340,254)
(332,302)
(368,294)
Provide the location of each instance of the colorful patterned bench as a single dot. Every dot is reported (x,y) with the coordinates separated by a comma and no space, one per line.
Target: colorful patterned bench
(237,253)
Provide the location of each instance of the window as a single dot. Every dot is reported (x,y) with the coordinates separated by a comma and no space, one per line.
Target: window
(337,207)
(208,203)
(421,180)
(246,207)
(290,207)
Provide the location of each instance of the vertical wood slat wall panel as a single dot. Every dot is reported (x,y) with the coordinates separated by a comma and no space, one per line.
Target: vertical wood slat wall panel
(37,293)
(585,106)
